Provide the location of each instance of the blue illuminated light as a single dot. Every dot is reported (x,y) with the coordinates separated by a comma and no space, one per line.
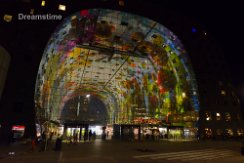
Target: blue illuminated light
(194,30)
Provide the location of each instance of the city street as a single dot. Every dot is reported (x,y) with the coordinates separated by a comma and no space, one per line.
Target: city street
(120,152)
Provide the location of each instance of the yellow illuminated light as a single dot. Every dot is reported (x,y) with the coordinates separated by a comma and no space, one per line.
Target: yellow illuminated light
(73,17)
(121,3)
(62,7)
(32,11)
(43,3)
(183,94)
(7,18)
(223,92)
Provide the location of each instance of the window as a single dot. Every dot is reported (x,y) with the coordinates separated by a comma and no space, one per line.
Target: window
(227,117)
(121,2)
(219,132)
(240,132)
(208,132)
(223,92)
(238,116)
(218,116)
(229,132)
(208,116)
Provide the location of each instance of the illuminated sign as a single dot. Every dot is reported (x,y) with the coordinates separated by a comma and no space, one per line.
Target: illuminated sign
(18,128)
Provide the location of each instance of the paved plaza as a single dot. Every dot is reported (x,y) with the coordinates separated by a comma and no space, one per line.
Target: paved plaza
(125,152)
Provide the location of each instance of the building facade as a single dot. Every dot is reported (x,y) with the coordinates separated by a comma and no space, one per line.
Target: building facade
(4,64)
(220,113)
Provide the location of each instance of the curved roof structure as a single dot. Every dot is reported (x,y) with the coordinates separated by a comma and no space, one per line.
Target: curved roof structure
(135,65)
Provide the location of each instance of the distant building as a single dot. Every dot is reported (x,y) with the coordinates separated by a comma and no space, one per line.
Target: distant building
(4,64)
(220,114)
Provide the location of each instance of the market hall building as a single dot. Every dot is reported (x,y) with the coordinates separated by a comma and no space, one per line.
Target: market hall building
(106,67)
(119,73)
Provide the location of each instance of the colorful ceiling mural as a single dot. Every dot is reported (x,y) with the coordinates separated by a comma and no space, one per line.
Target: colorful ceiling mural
(136,66)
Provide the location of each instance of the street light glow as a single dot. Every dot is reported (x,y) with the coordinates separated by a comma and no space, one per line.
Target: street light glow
(88,95)
(183,94)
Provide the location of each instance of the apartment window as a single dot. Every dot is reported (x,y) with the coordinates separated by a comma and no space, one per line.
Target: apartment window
(227,117)
(229,132)
(219,132)
(208,116)
(121,2)
(238,116)
(218,116)
(223,92)
(208,132)
(240,132)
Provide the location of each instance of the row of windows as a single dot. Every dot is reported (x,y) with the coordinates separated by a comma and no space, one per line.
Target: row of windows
(219,116)
(227,132)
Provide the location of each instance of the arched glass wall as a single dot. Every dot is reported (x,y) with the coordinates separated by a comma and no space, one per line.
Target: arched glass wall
(136,66)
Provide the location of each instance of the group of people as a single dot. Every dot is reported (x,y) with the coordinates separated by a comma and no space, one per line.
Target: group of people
(76,137)
(43,142)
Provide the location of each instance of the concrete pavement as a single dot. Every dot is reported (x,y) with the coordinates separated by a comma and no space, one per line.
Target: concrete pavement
(125,152)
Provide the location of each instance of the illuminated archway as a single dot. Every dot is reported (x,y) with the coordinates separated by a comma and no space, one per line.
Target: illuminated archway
(136,66)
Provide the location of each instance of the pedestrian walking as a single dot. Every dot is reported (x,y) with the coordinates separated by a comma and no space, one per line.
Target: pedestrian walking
(33,144)
(58,144)
(90,135)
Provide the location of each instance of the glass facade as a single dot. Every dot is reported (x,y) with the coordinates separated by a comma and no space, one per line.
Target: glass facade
(137,67)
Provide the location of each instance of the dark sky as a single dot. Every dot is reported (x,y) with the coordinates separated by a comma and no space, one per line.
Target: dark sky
(223,20)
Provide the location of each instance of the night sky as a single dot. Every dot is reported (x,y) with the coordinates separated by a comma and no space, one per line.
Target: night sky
(26,40)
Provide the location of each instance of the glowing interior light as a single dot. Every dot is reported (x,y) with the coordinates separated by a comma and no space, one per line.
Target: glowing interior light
(88,95)
(73,17)
(223,92)
(183,94)
(194,30)
(43,3)
(121,3)
(62,7)
(7,18)
(217,114)
(32,11)
(207,118)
